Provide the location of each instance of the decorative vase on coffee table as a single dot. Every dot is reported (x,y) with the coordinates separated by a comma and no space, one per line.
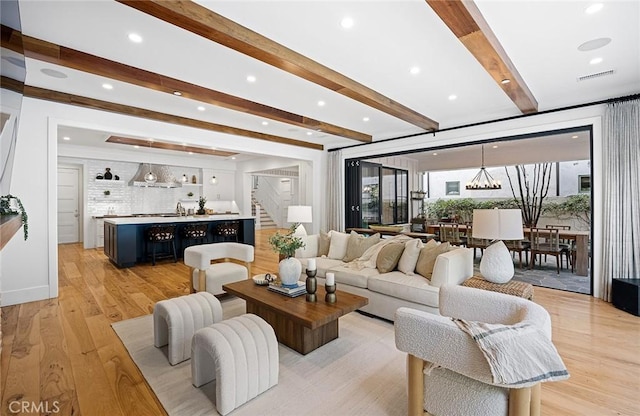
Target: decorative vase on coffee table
(289,271)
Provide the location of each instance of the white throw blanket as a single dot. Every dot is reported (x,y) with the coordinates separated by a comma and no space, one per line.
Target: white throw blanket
(369,257)
(519,355)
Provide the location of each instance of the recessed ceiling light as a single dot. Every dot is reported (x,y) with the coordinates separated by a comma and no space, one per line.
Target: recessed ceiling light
(575,136)
(321,103)
(593,44)
(52,72)
(213,148)
(435,153)
(233,158)
(505,81)
(452,97)
(251,78)
(309,133)
(107,86)
(135,38)
(495,146)
(201,108)
(595,61)
(594,8)
(66,138)
(178,93)
(365,118)
(184,144)
(414,70)
(265,123)
(190,153)
(347,23)
(136,147)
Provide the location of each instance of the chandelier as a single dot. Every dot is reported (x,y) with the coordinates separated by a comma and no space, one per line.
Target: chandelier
(483,180)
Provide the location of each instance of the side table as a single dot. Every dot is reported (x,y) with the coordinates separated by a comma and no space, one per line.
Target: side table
(512,287)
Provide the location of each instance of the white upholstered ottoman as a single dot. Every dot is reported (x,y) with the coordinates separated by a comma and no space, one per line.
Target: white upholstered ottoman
(241,354)
(176,320)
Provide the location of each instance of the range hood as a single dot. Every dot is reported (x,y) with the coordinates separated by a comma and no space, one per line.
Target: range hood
(162,172)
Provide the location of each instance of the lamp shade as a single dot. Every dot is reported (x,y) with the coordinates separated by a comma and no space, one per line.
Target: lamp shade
(299,213)
(497,224)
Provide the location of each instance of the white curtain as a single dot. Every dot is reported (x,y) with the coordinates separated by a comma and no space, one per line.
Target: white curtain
(621,194)
(335,196)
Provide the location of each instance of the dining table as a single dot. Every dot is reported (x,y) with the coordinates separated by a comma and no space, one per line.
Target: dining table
(581,239)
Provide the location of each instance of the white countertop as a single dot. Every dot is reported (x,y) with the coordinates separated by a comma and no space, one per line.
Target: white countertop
(164,220)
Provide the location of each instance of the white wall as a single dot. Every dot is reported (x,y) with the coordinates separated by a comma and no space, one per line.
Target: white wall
(581,117)
(30,268)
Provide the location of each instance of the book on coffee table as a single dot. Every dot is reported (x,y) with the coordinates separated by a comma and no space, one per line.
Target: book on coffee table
(291,292)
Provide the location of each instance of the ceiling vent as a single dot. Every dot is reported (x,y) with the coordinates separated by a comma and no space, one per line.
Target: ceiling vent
(596,75)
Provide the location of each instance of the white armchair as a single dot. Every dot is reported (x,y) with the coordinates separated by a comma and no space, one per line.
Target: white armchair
(446,370)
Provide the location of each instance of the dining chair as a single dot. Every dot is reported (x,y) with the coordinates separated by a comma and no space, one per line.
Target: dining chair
(476,243)
(450,232)
(565,244)
(519,246)
(545,241)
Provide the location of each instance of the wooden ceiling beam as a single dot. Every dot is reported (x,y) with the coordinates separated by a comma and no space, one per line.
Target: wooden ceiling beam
(210,25)
(467,23)
(77,100)
(71,58)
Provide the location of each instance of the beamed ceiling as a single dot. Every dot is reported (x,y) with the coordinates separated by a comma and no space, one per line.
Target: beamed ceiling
(289,71)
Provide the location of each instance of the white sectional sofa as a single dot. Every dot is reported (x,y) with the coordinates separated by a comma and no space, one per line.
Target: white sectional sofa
(392,289)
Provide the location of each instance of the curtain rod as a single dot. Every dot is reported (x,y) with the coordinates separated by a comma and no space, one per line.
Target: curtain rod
(481,123)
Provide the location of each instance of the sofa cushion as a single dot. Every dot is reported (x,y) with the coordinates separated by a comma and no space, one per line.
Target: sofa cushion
(407,263)
(322,265)
(427,258)
(353,277)
(358,244)
(338,245)
(310,248)
(399,285)
(323,244)
(389,256)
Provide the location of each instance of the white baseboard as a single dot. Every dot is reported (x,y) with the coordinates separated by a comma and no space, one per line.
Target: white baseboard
(15,297)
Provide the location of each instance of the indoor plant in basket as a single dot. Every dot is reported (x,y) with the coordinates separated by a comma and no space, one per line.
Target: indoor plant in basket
(289,268)
(201,203)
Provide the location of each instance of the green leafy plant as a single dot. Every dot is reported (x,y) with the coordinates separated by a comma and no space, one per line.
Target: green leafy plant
(201,202)
(286,244)
(573,206)
(5,209)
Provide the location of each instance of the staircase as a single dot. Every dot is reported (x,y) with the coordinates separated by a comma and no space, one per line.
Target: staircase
(265,219)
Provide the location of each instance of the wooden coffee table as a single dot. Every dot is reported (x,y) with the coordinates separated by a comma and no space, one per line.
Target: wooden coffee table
(298,324)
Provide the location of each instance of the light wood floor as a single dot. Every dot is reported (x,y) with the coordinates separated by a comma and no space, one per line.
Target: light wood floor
(64,351)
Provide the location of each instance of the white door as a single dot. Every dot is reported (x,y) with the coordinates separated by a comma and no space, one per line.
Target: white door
(68,205)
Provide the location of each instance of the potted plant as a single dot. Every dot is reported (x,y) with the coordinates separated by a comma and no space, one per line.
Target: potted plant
(11,205)
(201,203)
(107,192)
(190,194)
(289,268)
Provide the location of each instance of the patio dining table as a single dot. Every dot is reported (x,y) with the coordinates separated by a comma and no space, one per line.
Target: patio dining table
(581,239)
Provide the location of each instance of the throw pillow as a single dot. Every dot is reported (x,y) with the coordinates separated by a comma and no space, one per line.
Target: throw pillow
(389,256)
(427,258)
(358,244)
(338,245)
(310,248)
(323,244)
(409,258)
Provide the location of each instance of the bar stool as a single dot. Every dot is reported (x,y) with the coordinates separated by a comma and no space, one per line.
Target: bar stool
(161,234)
(227,231)
(194,233)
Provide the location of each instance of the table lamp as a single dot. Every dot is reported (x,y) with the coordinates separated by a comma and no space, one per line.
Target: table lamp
(299,214)
(497,224)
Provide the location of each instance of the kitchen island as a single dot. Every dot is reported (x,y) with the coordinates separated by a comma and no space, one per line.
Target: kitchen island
(124,237)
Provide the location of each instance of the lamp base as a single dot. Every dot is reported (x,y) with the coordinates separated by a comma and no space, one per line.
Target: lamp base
(496,265)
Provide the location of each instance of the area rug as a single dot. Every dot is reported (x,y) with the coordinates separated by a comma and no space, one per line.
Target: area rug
(359,373)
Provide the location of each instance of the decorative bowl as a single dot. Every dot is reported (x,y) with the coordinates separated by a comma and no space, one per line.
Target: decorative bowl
(261,279)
